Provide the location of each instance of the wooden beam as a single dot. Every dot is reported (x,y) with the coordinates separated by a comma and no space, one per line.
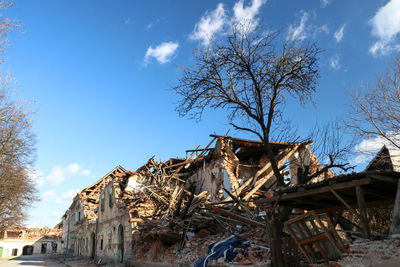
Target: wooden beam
(363,211)
(282,157)
(315,241)
(294,237)
(328,233)
(376,193)
(384,178)
(332,226)
(345,203)
(263,180)
(310,192)
(369,204)
(235,216)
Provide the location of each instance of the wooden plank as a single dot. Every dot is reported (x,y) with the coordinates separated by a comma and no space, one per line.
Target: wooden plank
(345,203)
(310,192)
(321,250)
(319,230)
(384,178)
(235,216)
(328,234)
(369,204)
(376,193)
(264,179)
(246,184)
(313,239)
(335,234)
(363,211)
(292,234)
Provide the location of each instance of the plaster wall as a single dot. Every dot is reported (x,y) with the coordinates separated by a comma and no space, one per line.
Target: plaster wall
(9,244)
(114,232)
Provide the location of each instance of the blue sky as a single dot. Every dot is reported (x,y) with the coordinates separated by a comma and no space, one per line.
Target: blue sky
(100,72)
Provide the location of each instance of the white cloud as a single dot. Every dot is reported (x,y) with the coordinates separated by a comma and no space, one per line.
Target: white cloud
(36,176)
(386,26)
(162,53)
(47,195)
(66,198)
(59,174)
(334,62)
(338,35)
(209,25)
(321,29)
(299,32)
(247,15)
(325,3)
(368,148)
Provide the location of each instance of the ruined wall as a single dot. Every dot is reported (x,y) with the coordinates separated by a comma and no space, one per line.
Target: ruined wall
(218,173)
(85,239)
(210,178)
(224,170)
(305,159)
(114,230)
(72,220)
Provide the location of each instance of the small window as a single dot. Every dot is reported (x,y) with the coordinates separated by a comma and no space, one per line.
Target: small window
(110,197)
(102,202)
(101,244)
(14,252)
(79,216)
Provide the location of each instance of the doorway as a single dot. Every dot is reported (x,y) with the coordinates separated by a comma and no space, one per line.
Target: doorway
(43,249)
(27,250)
(120,244)
(14,252)
(93,242)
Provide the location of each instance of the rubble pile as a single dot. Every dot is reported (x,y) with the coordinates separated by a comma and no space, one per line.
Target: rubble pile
(221,204)
(175,219)
(179,207)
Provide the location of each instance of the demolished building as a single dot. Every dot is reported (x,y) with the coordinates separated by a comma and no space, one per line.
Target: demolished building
(79,221)
(163,210)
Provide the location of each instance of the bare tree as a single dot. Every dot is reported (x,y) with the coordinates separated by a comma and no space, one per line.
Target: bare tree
(375,110)
(17,190)
(7,26)
(251,74)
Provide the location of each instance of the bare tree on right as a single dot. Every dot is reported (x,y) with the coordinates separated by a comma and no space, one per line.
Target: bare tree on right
(375,112)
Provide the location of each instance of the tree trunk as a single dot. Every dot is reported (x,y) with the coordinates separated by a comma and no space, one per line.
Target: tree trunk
(276,243)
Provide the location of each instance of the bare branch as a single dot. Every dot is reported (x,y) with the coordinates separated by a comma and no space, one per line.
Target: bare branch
(249,76)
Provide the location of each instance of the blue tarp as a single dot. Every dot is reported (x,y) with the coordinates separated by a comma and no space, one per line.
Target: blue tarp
(220,249)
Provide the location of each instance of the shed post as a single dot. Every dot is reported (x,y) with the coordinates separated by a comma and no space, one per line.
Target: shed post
(363,211)
(395,225)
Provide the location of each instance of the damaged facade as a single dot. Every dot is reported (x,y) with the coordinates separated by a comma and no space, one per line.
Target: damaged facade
(79,221)
(168,211)
(27,241)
